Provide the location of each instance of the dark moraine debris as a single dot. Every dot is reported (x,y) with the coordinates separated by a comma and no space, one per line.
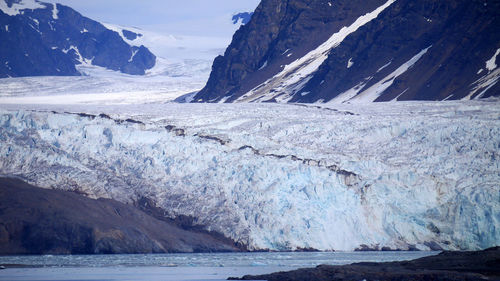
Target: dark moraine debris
(128,120)
(134,121)
(177,131)
(254,151)
(104,116)
(277,156)
(311,162)
(169,128)
(85,115)
(213,138)
(41,221)
(475,265)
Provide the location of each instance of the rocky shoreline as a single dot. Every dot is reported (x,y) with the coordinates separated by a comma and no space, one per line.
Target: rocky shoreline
(474,265)
(42,221)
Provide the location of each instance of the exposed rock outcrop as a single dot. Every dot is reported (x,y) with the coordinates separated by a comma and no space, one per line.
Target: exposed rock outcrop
(360,51)
(480,265)
(41,221)
(51,39)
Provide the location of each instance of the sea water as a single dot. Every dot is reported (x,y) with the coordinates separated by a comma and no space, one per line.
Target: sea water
(212,266)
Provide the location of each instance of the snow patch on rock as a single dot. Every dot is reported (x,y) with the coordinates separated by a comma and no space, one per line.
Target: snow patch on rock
(375,91)
(55,12)
(350,63)
(491,63)
(483,84)
(289,80)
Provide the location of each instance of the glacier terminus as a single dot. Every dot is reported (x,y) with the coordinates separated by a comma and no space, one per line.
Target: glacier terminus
(405,175)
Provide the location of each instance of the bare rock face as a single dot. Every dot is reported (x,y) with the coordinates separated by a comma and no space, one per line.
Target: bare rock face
(459,38)
(41,221)
(52,39)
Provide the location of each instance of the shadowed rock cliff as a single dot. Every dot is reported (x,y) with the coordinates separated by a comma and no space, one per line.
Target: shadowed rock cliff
(41,221)
(407,50)
(52,39)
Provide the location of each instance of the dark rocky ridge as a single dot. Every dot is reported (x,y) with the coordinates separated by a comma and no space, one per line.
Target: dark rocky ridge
(41,221)
(276,26)
(463,35)
(480,265)
(35,43)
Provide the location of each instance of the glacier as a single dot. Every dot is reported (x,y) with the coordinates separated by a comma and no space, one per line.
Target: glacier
(402,175)
(183,64)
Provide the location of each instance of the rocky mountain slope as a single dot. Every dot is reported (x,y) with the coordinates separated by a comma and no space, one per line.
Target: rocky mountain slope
(40,39)
(42,221)
(361,51)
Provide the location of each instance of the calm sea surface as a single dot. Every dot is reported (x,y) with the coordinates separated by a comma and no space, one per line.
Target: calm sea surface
(179,266)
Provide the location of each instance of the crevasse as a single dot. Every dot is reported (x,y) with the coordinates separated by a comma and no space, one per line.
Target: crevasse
(373,177)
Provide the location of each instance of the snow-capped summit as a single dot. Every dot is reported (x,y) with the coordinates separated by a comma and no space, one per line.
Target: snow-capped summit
(41,38)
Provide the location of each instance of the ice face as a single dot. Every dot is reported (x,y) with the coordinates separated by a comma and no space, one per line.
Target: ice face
(280,176)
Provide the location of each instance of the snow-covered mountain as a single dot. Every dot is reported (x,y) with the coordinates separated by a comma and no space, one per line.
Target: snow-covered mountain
(45,39)
(395,175)
(361,51)
(183,57)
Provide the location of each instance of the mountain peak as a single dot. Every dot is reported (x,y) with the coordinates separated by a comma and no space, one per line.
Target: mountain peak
(360,51)
(52,39)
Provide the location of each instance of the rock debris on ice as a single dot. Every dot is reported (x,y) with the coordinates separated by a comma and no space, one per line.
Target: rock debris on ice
(395,175)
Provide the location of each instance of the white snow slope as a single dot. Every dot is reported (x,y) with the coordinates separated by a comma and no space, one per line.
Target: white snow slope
(280,176)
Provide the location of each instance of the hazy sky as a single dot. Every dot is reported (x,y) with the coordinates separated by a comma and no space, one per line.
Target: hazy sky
(173,16)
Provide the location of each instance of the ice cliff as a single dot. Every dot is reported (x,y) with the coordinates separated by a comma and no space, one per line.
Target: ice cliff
(406,175)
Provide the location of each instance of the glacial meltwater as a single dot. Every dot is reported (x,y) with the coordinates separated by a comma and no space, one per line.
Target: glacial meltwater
(217,266)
